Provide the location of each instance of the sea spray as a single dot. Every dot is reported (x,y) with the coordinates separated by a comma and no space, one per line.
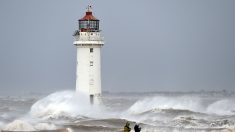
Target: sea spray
(24,125)
(66,104)
(19,125)
(162,112)
(161,109)
(45,126)
(222,107)
(160,102)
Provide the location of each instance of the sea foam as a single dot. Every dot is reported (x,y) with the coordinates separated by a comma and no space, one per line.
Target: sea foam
(222,107)
(195,104)
(159,102)
(19,125)
(65,104)
(23,125)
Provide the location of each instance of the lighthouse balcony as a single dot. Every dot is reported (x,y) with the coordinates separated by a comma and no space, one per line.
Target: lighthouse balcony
(89,38)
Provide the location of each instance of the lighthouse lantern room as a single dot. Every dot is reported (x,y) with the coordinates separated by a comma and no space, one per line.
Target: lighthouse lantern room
(88,42)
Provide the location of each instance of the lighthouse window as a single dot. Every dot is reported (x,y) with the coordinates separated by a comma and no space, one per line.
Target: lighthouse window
(91,50)
(82,24)
(91,63)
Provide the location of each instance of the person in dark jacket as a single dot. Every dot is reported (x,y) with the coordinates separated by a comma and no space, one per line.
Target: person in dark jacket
(127,127)
(137,128)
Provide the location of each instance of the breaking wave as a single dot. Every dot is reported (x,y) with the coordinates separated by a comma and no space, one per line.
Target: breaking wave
(65,104)
(24,125)
(222,107)
(191,104)
(180,103)
(179,111)
(19,125)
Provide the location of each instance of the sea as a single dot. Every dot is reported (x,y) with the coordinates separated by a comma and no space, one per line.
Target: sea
(67,111)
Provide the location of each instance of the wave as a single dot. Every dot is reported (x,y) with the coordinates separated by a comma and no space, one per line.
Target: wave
(23,125)
(192,104)
(19,125)
(222,107)
(69,108)
(180,103)
(190,121)
(66,105)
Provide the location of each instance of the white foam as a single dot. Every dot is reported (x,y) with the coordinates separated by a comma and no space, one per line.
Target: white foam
(23,125)
(19,125)
(65,104)
(184,103)
(45,126)
(222,107)
(68,104)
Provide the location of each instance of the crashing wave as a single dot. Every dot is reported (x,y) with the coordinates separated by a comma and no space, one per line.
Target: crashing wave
(222,123)
(22,125)
(187,121)
(192,122)
(222,107)
(45,126)
(65,105)
(19,125)
(181,103)
(193,104)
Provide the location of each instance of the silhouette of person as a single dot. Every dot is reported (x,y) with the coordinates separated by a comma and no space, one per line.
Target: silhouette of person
(127,127)
(137,128)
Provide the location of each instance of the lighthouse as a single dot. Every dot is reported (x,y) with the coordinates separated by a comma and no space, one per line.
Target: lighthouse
(88,41)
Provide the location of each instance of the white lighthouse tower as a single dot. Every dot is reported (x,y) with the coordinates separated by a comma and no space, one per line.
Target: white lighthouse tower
(88,42)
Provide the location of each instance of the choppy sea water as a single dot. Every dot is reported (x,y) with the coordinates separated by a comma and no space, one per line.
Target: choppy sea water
(155,112)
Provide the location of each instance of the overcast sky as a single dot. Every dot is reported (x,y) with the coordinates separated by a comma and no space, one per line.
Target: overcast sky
(151,45)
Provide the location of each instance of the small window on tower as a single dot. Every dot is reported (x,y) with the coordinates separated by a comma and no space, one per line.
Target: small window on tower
(91,50)
(91,63)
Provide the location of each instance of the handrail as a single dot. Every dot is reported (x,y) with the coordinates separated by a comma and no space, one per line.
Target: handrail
(89,38)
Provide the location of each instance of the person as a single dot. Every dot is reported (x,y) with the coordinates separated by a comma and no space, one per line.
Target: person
(137,128)
(127,127)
